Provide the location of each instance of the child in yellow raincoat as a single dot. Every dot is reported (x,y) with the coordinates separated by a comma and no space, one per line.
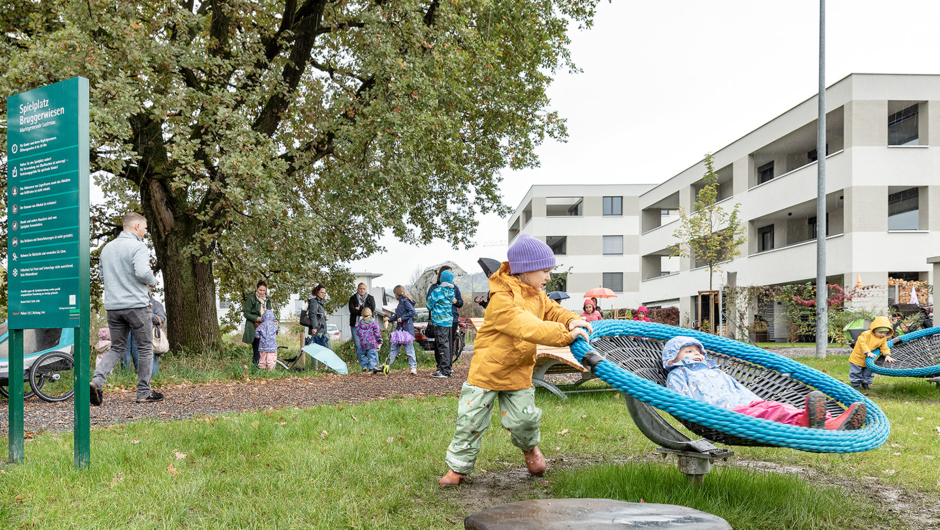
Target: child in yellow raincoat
(519,316)
(867,343)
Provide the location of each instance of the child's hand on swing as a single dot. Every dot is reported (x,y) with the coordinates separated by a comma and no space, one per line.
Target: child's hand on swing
(579,328)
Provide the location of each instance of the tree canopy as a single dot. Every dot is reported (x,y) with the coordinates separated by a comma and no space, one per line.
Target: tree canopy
(280,139)
(710,234)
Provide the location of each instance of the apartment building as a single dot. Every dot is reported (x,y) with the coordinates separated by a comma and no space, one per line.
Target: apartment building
(882,197)
(593,230)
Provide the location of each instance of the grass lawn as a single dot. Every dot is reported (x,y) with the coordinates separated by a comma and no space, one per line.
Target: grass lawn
(376,465)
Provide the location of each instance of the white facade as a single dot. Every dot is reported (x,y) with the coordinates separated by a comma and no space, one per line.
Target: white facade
(594,229)
(882,195)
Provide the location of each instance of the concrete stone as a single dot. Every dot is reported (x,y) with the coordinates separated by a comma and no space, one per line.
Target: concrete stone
(559,514)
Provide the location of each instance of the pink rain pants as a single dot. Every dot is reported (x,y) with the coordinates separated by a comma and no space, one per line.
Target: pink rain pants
(776,411)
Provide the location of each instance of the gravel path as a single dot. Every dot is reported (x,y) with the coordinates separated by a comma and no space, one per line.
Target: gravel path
(184,401)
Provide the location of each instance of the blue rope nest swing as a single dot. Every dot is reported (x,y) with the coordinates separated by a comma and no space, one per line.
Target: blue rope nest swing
(616,344)
(916,354)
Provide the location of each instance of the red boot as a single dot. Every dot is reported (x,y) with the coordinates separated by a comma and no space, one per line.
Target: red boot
(452,478)
(535,461)
(814,416)
(853,418)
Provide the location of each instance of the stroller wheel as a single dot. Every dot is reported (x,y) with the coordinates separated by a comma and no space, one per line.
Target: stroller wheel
(386,369)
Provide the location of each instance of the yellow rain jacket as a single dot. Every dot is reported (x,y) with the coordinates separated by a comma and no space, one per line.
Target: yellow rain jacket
(517,318)
(868,342)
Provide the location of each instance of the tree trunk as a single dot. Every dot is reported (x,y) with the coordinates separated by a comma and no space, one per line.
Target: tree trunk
(192,320)
(190,299)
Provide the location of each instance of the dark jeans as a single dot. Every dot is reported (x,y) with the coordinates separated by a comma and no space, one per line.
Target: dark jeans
(122,322)
(442,346)
(255,354)
(130,356)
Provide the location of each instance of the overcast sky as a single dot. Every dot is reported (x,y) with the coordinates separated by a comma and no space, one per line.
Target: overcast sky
(663,83)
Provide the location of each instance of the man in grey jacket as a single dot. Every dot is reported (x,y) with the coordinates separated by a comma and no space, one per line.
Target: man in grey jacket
(126,274)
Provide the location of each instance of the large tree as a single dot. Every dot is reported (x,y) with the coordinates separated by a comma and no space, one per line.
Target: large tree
(282,138)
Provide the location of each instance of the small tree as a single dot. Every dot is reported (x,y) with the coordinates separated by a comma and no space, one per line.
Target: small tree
(709,234)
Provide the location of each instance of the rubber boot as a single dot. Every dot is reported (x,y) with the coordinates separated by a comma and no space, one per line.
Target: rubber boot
(451,478)
(852,419)
(814,416)
(534,461)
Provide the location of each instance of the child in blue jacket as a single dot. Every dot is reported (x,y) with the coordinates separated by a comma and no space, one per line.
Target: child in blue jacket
(439,306)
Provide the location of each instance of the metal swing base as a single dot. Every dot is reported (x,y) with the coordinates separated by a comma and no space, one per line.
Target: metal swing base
(695,465)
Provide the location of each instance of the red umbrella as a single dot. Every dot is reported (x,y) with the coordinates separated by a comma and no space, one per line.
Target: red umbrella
(600,292)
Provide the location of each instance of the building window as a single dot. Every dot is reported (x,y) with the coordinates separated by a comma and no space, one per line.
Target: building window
(765,172)
(902,127)
(613,245)
(613,205)
(812,226)
(614,281)
(558,244)
(903,210)
(765,238)
(563,206)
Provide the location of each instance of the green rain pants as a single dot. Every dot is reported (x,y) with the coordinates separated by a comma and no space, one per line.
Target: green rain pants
(518,414)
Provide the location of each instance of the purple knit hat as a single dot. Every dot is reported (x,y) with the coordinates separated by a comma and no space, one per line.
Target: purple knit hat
(529,254)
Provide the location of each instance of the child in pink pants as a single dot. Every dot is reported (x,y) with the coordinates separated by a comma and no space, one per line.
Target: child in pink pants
(692,374)
(267,340)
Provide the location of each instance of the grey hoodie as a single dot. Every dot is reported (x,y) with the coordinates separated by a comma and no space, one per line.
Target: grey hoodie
(126,273)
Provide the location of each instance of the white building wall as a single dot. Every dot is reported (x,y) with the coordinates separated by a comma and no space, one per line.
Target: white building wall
(858,173)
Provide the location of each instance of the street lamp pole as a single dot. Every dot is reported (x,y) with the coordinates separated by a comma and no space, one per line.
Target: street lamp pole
(822,292)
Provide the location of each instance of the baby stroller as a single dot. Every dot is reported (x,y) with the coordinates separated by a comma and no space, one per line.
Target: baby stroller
(48,362)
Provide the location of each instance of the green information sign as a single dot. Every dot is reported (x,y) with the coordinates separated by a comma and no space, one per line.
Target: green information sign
(47,197)
(47,239)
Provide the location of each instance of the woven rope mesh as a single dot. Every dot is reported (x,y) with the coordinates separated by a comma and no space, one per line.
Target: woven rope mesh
(764,372)
(643,357)
(917,356)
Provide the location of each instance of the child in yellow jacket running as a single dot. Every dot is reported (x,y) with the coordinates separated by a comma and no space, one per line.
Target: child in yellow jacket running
(519,316)
(869,341)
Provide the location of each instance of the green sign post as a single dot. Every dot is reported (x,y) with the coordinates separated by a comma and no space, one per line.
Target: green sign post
(47,238)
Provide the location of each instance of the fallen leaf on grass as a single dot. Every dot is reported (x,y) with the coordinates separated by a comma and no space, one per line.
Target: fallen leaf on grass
(390,439)
(117,479)
(180,456)
(324,434)
(563,432)
(355,418)
(135,442)
(172,469)
(583,416)
(889,471)
(919,419)
(897,454)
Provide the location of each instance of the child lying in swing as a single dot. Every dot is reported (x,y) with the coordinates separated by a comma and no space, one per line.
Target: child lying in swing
(692,374)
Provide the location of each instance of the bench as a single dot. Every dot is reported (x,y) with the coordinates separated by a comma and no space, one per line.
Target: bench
(551,360)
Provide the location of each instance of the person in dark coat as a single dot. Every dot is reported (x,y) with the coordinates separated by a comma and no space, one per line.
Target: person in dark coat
(458,303)
(253,308)
(357,302)
(317,313)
